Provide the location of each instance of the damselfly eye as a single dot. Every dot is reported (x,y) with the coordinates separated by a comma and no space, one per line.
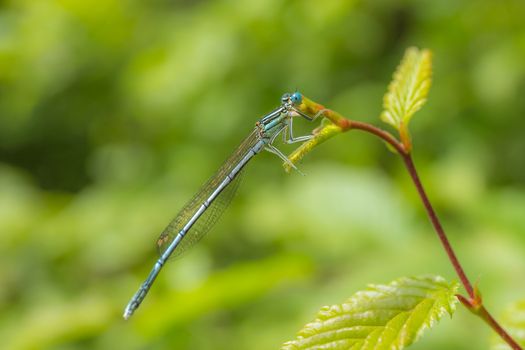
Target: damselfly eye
(297,98)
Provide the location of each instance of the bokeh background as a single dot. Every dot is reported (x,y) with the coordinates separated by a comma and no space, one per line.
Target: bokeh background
(113,113)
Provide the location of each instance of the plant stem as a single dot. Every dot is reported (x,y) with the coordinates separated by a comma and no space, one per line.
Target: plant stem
(386,136)
(474,302)
(407,158)
(485,315)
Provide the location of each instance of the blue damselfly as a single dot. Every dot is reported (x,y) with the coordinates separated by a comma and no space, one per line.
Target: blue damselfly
(203,210)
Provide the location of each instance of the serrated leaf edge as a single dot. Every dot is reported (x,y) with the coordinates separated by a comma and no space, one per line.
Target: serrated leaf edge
(327,313)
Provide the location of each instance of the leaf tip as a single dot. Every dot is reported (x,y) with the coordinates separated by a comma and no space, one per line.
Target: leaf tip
(408,90)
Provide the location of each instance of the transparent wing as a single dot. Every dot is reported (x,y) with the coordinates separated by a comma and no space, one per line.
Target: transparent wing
(215,209)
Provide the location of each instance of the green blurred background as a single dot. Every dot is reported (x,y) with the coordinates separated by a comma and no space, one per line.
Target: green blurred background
(113,113)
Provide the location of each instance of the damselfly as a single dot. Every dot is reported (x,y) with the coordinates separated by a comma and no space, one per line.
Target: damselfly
(201,212)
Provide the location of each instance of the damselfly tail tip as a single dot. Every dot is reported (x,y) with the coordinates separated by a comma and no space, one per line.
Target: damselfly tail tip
(128,312)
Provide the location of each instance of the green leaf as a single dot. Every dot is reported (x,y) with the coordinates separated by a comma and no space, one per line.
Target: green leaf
(381,317)
(513,321)
(408,91)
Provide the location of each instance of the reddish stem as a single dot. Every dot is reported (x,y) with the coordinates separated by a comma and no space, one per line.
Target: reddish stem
(484,314)
(437,225)
(386,136)
(474,302)
(400,148)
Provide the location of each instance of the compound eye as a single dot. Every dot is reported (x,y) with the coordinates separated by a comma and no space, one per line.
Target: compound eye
(297,98)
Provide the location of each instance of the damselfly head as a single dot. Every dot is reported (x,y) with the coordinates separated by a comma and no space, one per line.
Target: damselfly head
(292,100)
(296,98)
